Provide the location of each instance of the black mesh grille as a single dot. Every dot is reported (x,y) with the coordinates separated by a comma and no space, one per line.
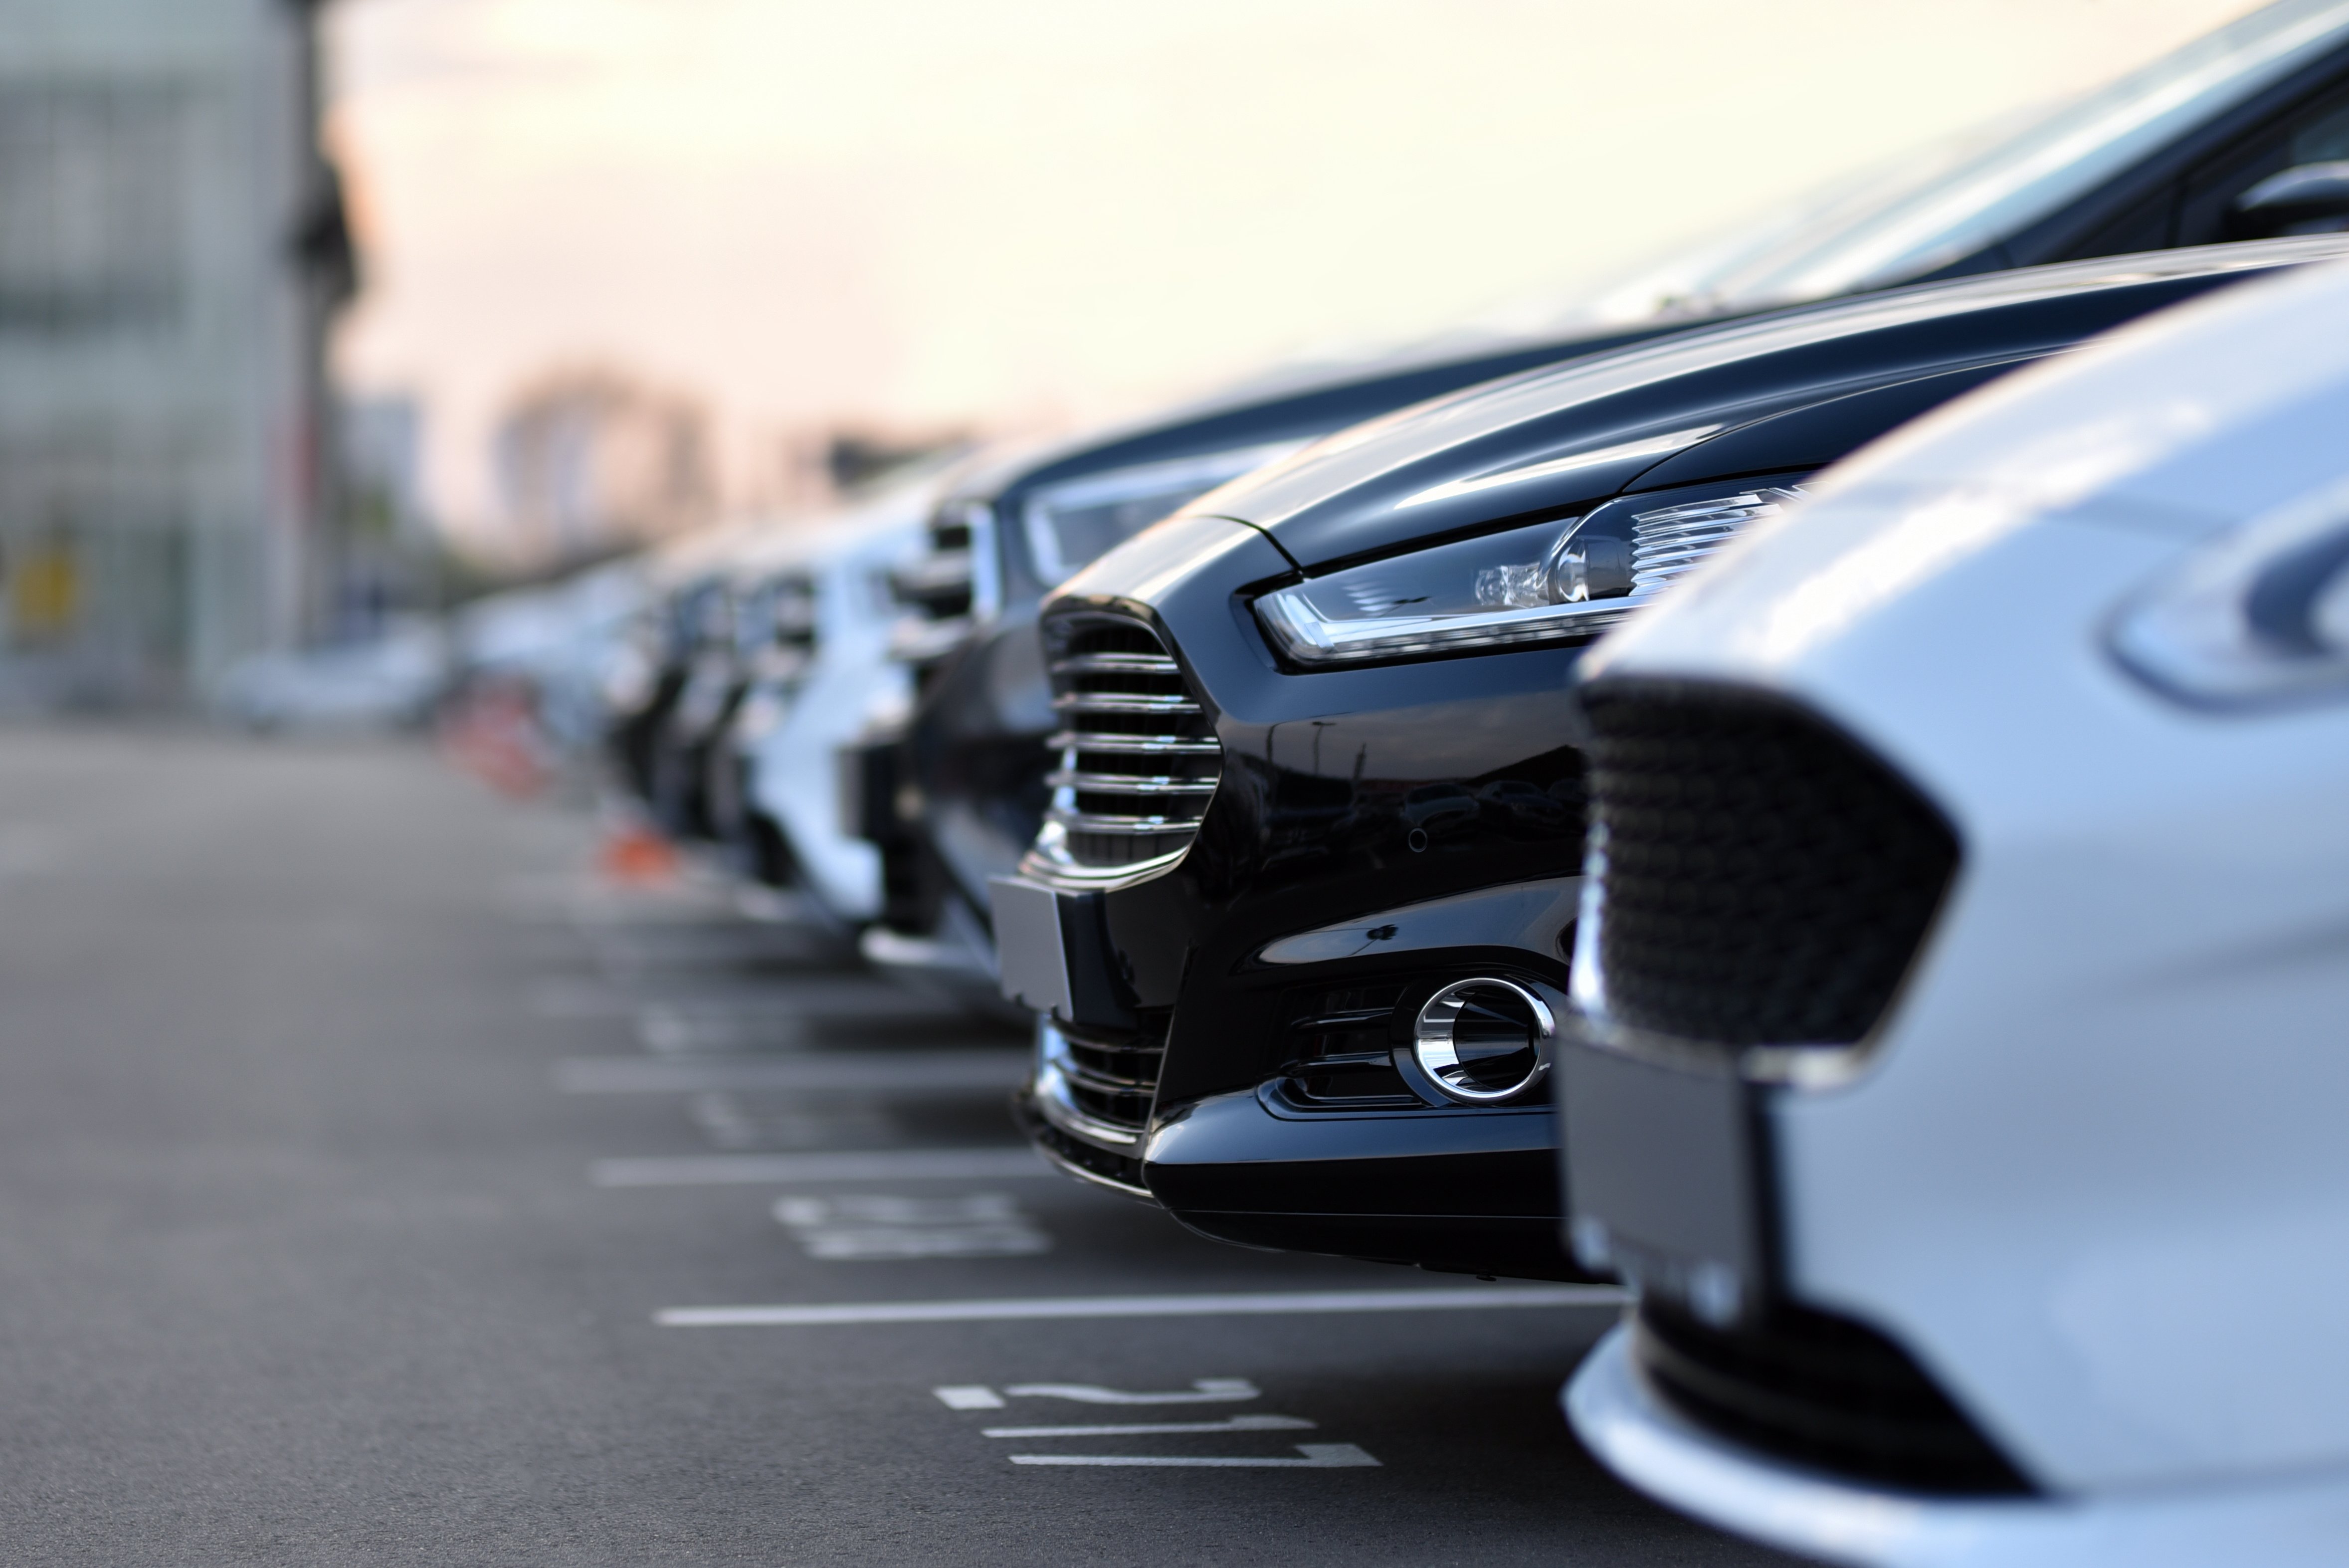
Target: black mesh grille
(1823,1391)
(1766,881)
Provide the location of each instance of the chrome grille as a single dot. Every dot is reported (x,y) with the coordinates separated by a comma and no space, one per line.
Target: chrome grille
(1089,1102)
(1674,540)
(1138,757)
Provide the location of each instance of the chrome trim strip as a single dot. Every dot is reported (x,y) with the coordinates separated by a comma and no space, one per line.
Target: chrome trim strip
(1116,663)
(1139,827)
(1129,783)
(1121,702)
(1049,1095)
(1132,745)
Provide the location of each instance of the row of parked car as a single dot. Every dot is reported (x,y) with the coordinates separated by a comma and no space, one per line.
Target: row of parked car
(1916,937)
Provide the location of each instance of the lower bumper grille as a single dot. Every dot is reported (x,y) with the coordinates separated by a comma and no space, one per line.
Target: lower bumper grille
(1090,1100)
(1823,1391)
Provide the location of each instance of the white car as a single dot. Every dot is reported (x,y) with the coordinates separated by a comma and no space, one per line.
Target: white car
(834,586)
(1965,958)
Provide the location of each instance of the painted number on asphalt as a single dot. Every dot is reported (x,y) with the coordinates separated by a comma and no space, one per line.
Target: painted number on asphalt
(1203,1391)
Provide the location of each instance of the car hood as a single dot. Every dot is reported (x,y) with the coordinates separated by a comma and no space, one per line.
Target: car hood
(1795,389)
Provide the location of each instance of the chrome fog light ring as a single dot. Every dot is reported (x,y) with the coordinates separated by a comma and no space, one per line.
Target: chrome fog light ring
(1484,1040)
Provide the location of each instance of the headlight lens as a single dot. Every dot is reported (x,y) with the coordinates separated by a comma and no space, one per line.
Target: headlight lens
(2259,616)
(1547,584)
(1070,525)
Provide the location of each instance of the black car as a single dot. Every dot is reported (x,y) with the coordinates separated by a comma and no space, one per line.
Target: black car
(953,797)
(1301,912)
(2196,148)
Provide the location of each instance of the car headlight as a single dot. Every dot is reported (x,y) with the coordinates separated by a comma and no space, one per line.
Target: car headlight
(2257,616)
(1550,583)
(1070,525)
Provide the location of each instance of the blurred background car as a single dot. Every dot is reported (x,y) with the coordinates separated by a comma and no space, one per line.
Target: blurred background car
(2191,149)
(393,680)
(793,722)
(1299,913)
(1959,999)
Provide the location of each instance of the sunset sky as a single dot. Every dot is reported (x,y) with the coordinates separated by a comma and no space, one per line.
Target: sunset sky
(921,213)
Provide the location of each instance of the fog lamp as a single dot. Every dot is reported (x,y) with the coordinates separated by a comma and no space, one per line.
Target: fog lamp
(1484,1040)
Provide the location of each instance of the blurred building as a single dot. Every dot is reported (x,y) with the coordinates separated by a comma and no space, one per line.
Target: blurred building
(590,461)
(171,251)
(385,550)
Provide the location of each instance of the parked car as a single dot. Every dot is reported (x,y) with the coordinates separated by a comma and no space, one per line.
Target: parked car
(560,641)
(677,634)
(823,671)
(1962,980)
(1301,911)
(2200,146)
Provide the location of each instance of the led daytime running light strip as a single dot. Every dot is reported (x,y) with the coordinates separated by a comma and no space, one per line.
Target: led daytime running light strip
(1309,638)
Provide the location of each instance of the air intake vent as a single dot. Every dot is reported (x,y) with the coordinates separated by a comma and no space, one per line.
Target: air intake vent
(1138,758)
(1764,881)
(1823,1391)
(1675,539)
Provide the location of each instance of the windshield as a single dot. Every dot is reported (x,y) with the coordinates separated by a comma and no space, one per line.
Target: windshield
(1965,197)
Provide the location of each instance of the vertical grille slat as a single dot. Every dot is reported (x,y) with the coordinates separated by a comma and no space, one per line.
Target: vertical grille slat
(1138,757)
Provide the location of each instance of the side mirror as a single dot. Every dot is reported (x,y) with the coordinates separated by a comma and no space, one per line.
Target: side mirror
(2313,198)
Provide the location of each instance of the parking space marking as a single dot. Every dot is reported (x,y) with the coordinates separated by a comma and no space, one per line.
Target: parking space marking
(1203,1391)
(688,1025)
(793,1169)
(1152,1429)
(1317,1456)
(1252,1303)
(872,1228)
(730,1121)
(968,1396)
(870,1071)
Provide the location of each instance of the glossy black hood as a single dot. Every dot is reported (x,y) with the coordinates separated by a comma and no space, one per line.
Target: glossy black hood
(1794,389)
(1299,404)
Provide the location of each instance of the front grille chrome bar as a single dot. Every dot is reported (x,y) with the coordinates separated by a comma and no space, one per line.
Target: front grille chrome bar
(1139,760)
(1130,783)
(1134,745)
(1121,702)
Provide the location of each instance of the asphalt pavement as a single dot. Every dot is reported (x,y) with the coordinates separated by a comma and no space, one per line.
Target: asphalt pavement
(380,1187)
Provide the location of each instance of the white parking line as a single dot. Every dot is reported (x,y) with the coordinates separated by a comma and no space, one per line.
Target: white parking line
(851,1070)
(1151,1428)
(873,1227)
(1110,1306)
(1317,1456)
(788,1170)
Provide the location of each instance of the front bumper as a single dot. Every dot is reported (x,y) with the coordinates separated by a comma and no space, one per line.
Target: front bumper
(1632,1430)
(1360,1160)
